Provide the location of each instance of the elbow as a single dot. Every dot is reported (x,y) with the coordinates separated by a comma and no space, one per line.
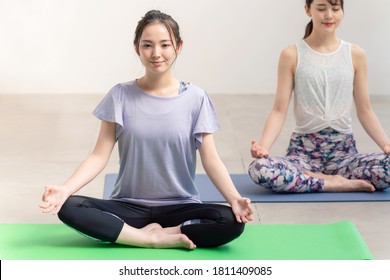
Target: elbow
(364,112)
(99,160)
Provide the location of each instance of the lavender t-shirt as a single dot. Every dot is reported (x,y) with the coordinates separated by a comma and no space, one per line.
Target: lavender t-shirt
(157,142)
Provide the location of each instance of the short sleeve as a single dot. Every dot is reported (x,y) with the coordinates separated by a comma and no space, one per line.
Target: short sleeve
(207,121)
(110,109)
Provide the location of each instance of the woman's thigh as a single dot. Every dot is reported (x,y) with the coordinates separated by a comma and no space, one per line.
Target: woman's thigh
(285,174)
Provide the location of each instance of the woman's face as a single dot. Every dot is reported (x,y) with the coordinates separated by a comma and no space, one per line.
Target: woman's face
(156,49)
(325,16)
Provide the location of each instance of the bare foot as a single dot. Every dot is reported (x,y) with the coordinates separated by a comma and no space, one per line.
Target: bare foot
(154,236)
(337,183)
(170,230)
(151,226)
(161,239)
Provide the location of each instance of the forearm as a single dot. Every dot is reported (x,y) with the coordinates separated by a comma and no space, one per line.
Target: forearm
(85,173)
(221,179)
(272,129)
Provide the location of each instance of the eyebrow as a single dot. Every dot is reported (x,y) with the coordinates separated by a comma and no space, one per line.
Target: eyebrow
(324,5)
(150,41)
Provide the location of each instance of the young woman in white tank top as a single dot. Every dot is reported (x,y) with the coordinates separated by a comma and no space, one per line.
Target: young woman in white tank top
(327,76)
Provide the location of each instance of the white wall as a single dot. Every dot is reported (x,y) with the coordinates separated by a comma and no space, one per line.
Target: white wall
(230,46)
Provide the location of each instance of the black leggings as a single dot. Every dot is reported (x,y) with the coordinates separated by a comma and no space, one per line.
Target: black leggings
(207,225)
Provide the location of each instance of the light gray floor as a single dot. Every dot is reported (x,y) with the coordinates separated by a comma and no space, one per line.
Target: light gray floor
(44,137)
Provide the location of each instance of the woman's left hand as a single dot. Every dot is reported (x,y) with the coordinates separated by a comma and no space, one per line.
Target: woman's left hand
(242,209)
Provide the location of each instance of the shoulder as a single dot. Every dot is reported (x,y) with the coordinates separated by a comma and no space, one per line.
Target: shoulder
(120,89)
(196,91)
(358,55)
(289,54)
(195,88)
(288,58)
(357,51)
(197,97)
(289,51)
(124,86)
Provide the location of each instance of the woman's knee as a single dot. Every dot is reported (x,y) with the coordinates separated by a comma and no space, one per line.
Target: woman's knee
(257,170)
(69,208)
(207,233)
(214,232)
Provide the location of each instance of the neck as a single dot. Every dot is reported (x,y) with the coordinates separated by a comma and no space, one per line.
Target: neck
(159,85)
(323,42)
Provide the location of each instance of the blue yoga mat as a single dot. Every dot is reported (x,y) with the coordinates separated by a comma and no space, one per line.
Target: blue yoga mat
(247,188)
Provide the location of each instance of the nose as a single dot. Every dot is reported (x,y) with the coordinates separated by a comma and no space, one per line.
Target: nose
(329,14)
(156,52)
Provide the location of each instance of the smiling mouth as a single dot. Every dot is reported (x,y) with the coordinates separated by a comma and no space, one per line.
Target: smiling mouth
(328,23)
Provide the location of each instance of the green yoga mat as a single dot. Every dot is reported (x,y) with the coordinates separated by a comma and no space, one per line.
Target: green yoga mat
(336,241)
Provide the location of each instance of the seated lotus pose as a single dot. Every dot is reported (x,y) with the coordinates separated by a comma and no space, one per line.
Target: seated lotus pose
(327,76)
(159,123)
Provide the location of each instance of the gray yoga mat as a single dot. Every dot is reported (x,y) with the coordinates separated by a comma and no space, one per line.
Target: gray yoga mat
(247,188)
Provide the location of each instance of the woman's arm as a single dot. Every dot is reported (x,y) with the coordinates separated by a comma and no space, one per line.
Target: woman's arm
(220,177)
(276,119)
(365,113)
(55,196)
(96,161)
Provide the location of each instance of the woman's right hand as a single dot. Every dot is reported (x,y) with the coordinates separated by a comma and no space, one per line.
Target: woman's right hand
(258,151)
(53,198)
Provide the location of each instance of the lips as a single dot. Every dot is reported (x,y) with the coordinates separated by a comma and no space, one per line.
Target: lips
(157,62)
(328,24)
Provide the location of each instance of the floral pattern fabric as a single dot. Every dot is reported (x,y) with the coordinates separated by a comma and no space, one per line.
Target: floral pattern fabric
(327,151)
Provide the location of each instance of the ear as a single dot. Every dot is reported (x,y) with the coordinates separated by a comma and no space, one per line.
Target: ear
(179,47)
(136,48)
(307,10)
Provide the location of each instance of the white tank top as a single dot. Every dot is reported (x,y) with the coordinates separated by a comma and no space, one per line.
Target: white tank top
(323,89)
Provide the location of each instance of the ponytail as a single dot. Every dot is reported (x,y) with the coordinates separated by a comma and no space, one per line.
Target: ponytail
(309,29)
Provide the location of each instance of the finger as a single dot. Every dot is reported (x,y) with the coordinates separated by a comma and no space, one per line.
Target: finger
(254,146)
(247,219)
(264,154)
(56,210)
(247,202)
(45,204)
(48,208)
(46,193)
(257,154)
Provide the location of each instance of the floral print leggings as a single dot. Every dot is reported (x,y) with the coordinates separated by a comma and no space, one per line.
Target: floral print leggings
(328,152)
